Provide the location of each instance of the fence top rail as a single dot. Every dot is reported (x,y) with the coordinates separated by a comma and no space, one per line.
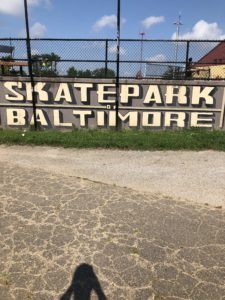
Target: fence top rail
(172,41)
(57,39)
(112,40)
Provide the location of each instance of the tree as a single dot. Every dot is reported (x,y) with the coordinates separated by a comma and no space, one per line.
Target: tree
(97,73)
(45,64)
(102,73)
(6,70)
(72,72)
(86,74)
(173,73)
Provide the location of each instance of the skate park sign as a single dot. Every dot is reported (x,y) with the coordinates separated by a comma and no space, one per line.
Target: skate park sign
(90,103)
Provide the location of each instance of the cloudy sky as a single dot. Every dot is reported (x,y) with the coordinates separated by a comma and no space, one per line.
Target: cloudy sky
(202,19)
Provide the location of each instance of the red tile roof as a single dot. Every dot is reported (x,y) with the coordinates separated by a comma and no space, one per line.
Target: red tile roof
(215,56)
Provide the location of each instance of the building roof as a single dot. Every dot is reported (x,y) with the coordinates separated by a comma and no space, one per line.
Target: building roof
(214,57)
(6,49)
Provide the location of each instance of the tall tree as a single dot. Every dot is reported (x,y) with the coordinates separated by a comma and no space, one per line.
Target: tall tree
(45,64)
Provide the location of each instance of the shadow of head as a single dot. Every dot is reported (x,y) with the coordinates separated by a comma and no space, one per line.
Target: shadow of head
(83,283)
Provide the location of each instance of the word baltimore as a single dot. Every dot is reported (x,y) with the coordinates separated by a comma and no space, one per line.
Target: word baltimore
(93,105)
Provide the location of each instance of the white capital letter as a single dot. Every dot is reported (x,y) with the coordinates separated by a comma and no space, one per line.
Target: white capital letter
(153,95)
(43,95)
(197,95)
(175,117)
(15,95)
(63,93)
(129,91)
(83,90)
(180,95)
(101,118)
(102,92)
(83,116)
(151,119)
(40,118)
(201,120)
(132,116)
(16,117)
(58,119)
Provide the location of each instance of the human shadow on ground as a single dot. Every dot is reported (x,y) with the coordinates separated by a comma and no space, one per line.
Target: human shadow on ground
(83,283)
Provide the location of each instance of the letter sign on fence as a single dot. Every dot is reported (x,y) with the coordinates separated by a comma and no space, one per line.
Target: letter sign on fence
(65,103)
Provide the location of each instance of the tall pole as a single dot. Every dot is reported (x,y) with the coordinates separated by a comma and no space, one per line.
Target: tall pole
(118,65)
(177,24)
(142,48)
(30,65)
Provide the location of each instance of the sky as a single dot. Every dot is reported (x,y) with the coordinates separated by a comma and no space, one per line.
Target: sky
(201,19)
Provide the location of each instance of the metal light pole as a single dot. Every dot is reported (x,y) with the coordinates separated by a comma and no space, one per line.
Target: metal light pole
(178,24)
(30,64)
(118,65)
(142,47)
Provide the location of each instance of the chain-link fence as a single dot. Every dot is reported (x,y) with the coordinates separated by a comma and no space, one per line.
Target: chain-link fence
(153,59)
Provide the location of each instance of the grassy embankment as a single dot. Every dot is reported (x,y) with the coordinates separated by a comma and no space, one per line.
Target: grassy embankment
(124,139)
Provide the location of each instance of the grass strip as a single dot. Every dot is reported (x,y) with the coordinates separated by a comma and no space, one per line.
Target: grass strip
(195,140)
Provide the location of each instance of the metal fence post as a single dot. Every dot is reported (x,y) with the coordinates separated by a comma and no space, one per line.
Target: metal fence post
(187,65)
(106,57)
(29,56)
(118,65)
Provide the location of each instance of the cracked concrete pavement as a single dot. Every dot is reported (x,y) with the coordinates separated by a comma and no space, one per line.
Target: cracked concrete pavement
(149,243)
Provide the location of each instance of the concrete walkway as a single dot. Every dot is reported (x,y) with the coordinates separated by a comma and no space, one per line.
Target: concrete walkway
(185,175)
(63,236)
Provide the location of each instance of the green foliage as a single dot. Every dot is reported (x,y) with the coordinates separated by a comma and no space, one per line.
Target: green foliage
(45,64)
(173,73)
(100,73)
(85,74)
(97,73)
(72,72)
(7,58)
(8,70)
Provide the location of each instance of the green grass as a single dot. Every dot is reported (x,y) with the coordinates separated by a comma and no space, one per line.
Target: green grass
(123,139)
